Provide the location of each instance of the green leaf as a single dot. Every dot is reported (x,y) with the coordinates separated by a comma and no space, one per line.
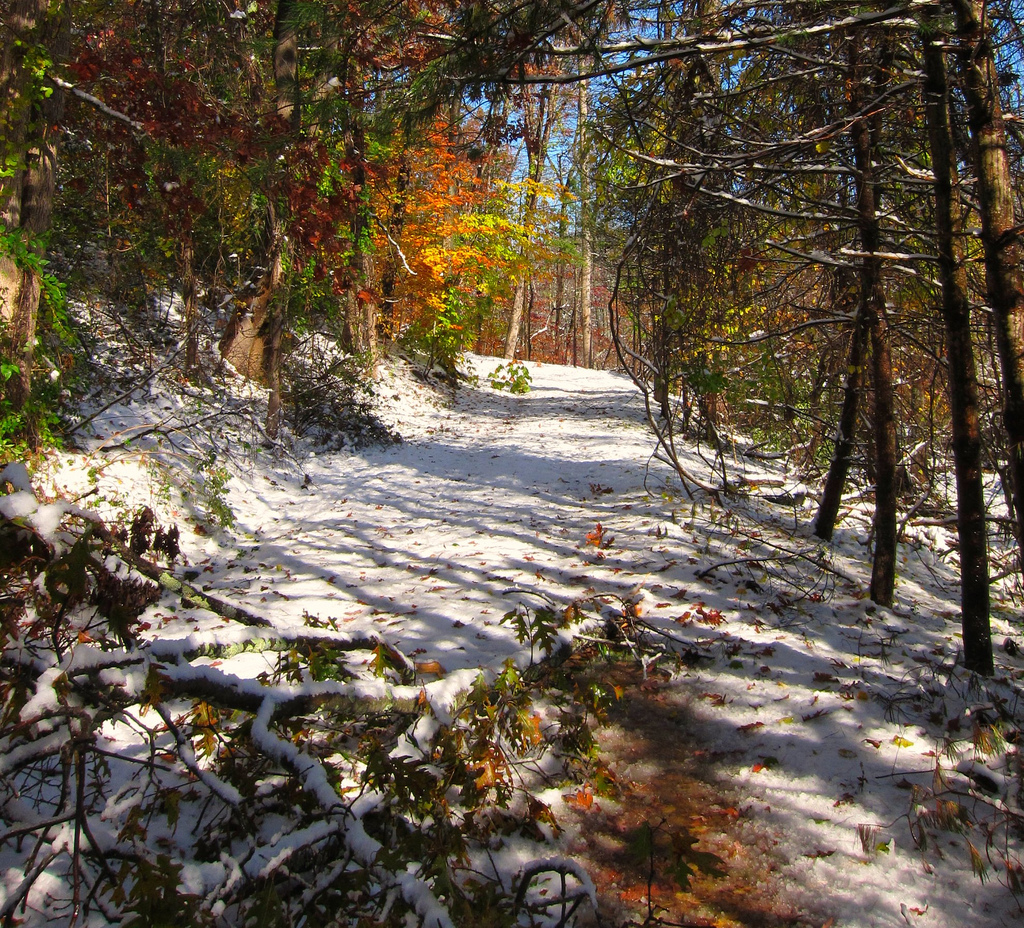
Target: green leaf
(386,658)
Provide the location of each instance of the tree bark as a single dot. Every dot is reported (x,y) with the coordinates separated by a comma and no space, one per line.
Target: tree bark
(516,322)
(286,65)
(390,322)
(361,305)
(963,382)
(999,234)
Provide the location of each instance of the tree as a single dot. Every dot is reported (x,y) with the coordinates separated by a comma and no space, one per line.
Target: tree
(35,35)
(963,383)
(586,229)
(253,340)
(460,249)
(867,81)
(538,118)
(999,232)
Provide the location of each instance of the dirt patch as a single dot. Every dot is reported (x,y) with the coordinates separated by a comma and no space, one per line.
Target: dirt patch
(665,840)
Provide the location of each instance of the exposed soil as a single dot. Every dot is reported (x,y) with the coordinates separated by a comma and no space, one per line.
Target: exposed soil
(659,808)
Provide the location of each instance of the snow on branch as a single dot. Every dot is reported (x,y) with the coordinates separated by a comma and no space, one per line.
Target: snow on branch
(98,104)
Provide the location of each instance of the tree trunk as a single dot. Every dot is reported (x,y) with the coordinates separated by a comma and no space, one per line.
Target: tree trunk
(832,494)
(1000,237)
(26,198)
(286,65)
(190,301)
(536,132)
(516,322)
(390,321)
(586,246)
(883,568)
(253,339)
(271,335)
(963,383)
(361,305)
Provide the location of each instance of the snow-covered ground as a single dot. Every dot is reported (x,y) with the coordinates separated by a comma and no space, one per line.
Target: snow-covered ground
(833,713)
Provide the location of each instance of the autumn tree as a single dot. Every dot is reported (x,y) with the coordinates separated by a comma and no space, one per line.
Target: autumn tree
(460,247)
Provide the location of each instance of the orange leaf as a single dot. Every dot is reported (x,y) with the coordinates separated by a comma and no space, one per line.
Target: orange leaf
(488,776)
(634,894)
(582,798)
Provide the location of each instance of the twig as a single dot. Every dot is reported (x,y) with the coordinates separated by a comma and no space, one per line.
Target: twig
(117,399)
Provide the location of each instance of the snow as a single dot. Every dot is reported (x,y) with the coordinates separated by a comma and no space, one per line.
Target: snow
(16,474)
(834,712)
(18,505)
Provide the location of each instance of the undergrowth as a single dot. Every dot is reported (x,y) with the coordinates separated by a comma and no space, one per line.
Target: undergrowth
(976,796)
(514,377)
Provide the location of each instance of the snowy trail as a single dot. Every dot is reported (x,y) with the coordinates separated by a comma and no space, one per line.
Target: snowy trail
(431,541)
(818,707)
(827,714)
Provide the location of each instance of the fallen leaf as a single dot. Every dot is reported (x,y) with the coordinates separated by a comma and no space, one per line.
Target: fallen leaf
(634,894)
(582,798)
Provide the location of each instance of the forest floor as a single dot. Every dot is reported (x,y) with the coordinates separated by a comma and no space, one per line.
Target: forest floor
(782,759)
